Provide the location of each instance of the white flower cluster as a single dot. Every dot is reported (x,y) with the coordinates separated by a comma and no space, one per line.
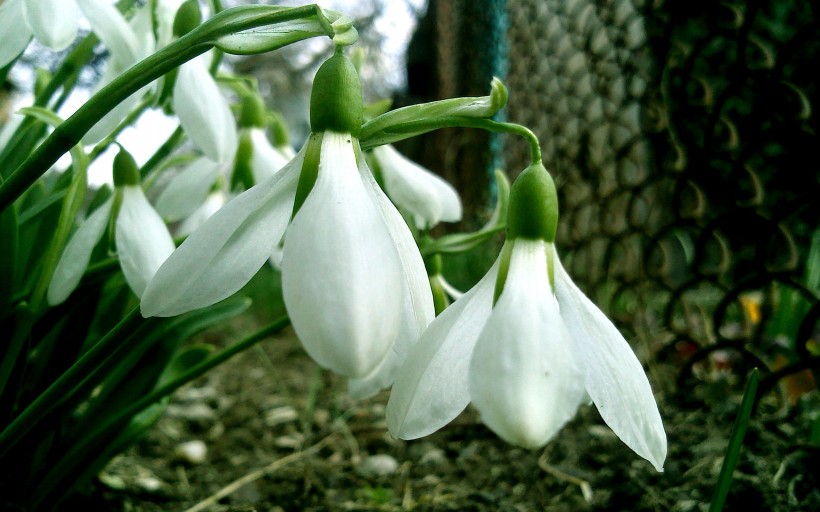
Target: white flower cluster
(525,346)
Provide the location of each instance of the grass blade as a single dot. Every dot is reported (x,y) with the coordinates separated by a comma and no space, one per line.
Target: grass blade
(735,442)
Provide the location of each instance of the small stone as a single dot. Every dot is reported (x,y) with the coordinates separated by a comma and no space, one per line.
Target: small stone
(601,432)
(192,452)
(149,483)
(280,415)
(433,457)
(194,412)
(193,394)
(379,465)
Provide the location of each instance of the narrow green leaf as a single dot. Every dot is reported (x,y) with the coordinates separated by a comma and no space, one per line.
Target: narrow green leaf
(8,249)
(735,443)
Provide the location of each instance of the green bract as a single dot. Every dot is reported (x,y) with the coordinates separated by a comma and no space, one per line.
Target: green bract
(253,112)
(336,99)
(533,206)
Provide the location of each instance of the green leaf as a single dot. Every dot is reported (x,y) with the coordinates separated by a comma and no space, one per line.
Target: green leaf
(735,443)
(8,249)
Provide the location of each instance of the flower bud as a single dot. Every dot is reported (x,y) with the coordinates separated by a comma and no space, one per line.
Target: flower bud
(253,112)
(533,212)
(188,17)
(336,99)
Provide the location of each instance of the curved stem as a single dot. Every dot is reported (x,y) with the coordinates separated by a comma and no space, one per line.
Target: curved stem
(419,127)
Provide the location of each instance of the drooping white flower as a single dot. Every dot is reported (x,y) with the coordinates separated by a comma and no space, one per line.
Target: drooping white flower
(414,189)
(203,111)
(353,271)
(209,206)
(266,160)
(353,279)
(256,158)
(188,190)
(527,361)
(77,254)
(143,240)
(52,22)
(127,43)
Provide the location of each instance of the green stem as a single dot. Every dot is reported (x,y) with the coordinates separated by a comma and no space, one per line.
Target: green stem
(74,376)
(195,43)
(161,392)
(168,147)
(417,127)
(128,121)
(198,370)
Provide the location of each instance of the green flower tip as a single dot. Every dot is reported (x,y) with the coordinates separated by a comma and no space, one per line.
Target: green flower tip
(242,175)
(253,112)
(126,171)
(188,17)
(336,99)
(498,94)
(533,212)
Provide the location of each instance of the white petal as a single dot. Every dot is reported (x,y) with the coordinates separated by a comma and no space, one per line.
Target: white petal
(142,27)
(16,32)
(413,188)
(165,13)
(114,31)
(431,387)
(523,378)
(341,274)
(223,254)
(615,379)
(77,253)
(53,22)
(417,298)
(187,190)
(143,240)
(204,112)
(266,160)
(210,206)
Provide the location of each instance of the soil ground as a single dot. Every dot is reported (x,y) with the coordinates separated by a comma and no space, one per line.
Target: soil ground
(280,435)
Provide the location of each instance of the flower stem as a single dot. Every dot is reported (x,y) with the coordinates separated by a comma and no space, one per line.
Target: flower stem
(414,128)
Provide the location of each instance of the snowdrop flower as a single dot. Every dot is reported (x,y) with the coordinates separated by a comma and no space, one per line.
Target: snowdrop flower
(526,347)
(215,200)
(256,158)
(142,239)
(353,279)
(188,190)
(414,189)
(203,112)
(127,43)
(52,22)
